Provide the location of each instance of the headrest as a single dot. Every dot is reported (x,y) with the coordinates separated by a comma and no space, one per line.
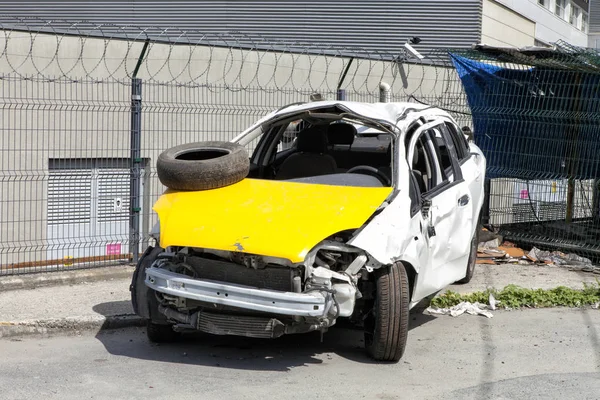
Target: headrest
(341,133)
(312,140)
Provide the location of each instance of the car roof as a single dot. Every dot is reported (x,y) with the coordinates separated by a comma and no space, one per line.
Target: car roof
(389,112)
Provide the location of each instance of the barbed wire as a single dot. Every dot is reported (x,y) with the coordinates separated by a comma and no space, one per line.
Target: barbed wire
(68,51)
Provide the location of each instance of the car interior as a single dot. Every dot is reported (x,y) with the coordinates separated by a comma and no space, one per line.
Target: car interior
(341,152)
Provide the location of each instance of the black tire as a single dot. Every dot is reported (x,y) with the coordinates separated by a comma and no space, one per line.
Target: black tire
(203,165)
(472,259)
(161,333)
(386,328)
(142,295)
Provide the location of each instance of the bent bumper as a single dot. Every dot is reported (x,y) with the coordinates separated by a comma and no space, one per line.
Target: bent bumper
(245,297)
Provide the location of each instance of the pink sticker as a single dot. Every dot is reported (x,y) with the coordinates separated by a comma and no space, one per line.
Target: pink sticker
(524,194)
(113,249)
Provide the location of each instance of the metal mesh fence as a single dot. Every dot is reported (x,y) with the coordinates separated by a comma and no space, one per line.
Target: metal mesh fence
(86,109)
(85,113)
(535,115)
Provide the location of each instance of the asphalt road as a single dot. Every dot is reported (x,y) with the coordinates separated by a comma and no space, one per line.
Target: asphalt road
(532,354)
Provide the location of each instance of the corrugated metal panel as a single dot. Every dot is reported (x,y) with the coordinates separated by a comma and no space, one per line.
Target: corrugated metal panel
(375,25)
(594,16)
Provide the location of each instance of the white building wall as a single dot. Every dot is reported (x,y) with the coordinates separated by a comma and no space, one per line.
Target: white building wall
(504,27)
(549,27)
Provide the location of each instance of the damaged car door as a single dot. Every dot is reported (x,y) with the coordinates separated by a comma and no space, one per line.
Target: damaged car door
(446,209)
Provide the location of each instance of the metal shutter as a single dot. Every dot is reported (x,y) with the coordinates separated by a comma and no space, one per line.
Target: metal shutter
(69,196)
(113,195)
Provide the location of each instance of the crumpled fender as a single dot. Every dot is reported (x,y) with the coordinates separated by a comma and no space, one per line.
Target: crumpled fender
(142,297)
(393,235)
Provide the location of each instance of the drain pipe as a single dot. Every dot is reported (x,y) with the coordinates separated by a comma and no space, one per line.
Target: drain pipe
(384,92)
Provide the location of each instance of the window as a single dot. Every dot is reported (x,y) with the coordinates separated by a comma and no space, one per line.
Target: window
(460,142)
(544,3)
(434,159)
(421,166)
(288,137)
(444,155)
(584,22)
(560,8)
(575,18)
(252,139)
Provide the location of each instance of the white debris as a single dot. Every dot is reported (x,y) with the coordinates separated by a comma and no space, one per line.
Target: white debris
(493,302)
(461,308)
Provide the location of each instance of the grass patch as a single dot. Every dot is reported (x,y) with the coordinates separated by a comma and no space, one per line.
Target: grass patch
(513,296)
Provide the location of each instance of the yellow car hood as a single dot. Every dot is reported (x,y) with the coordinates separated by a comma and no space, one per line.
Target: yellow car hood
(271,218)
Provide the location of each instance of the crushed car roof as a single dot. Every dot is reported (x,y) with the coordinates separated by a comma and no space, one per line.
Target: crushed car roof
(390,112)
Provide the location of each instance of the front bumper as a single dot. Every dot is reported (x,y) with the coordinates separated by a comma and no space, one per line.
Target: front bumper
(245,297)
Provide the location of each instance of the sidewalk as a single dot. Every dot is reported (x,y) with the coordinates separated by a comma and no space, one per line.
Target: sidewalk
(69,301)
(103,304)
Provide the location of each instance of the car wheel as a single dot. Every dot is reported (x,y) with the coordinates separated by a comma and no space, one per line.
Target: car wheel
(472,259)
(161,333)
(202,166)
(386,326)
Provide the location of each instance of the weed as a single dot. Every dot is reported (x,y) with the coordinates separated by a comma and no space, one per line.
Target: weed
(513,296)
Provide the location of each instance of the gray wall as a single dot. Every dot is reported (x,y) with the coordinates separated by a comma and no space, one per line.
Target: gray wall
(375,25)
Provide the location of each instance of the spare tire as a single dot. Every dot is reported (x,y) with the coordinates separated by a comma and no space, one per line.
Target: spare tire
(203,165)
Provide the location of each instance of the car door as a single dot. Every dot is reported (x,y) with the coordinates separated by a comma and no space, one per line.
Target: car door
(447,211)
(472,164)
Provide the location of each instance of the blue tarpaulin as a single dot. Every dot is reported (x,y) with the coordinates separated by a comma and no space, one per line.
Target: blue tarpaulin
(534,122)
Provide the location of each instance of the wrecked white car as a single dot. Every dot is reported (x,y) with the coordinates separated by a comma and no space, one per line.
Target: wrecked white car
(341,210)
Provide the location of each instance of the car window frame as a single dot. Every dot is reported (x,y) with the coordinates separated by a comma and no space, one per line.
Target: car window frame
(425,129)
(456,172)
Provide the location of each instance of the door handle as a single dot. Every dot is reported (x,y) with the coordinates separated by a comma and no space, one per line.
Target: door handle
(463,201)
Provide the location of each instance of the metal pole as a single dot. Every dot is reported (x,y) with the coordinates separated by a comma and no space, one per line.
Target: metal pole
(135,159)
(573,154)
(596,200)
(341,93)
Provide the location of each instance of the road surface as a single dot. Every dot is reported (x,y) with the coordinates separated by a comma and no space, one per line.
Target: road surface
(531,354)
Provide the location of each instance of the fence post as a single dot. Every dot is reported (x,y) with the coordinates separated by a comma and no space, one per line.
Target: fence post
(135,160)
(596,200)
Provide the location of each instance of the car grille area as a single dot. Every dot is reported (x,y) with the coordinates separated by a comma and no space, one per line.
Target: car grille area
(256,327)
(269,277)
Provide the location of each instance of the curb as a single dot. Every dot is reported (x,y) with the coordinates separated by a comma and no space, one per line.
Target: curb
(70,324)
(65,277)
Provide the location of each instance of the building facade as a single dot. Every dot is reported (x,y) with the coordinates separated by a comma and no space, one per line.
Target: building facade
(520,23)
(381,26)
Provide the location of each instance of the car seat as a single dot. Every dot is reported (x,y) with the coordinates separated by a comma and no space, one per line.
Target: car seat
(310,160)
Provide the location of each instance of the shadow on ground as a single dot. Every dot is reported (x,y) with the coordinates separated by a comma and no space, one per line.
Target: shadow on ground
(234,352)
(112,308)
